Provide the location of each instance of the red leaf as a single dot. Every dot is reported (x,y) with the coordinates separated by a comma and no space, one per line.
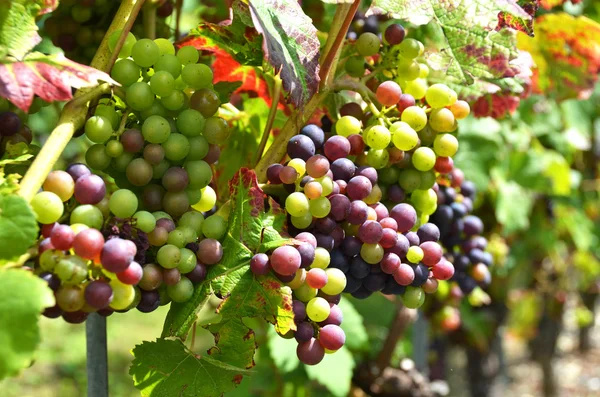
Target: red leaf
(517,22)
(497,105)
(50,77)
(47,6)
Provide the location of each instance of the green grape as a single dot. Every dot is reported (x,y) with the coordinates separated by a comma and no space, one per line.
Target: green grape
(442,120)
(114,148)
(168,63)
(438,96)
(206,101)
(216,130)
(47,206)
(355,66)
(207,200)
(318,309)
(428,179)
(175,101)
(157,109)
(415,117)
(159,169)
(187,262)
(123,203)
(378,137)
(416,88)
(336,282)
(193,220)
(423,158)
(162,84)
(445,145)
(199,172)
(189,234)
(378,158)
(165,46)
(305,293)
(413,297)
(98,129)
(302,222)
(424,200)
(139,172)
(126,72)
(190,122)
(424,71)
(70,298)
(176,147)
(130,41)
(145,53)
(123,295)
(144,221)
(110,113)
(161,215)
(214,227)
(139,96)
(348,125)
(320,207)
(168,256)
(389,175)
(371,253)
(409,180)
(156,129)
(410,48)
(121,162)
(368,44)
(326,184)
(188,55)
(182,291)
(404,136)
(427,135)
(49,259)
(197,75)
(322,258)
(88,215)
(198,148)
(176,238)
(415,254)
(297,204)
(96,157)
(176,203)
(408,69)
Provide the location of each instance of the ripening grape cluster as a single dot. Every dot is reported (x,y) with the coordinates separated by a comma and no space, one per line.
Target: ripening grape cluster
(78,26)
(12,129)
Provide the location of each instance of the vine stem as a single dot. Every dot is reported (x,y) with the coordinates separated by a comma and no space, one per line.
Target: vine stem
(149,21)
(404,316)
(271,118)
(178,7)
(74,113)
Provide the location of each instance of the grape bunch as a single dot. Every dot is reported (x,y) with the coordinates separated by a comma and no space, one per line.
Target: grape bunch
(78,27)
(106,255)
(12,129)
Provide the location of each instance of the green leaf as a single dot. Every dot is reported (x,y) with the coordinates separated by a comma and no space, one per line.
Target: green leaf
(168,368)
(23,297)
(18,31)
(334,372)
(513,206)
(18,226)
(283,352)
(291,45)
(354,327)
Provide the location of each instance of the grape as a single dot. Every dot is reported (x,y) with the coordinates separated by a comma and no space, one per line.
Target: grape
(176,147)
(378,158)
(130,40)
(88,243)
(77,170)
(304,332)
(190,122)
(335,281)
(156,129)
(98,129)
(176,203)
(317,166)
(188,55)
(152,277)
(318,309)
(116,255)
(300,146)
(445,145)
(149,301)
(326,185)
(132,275)
(460,109)
(285,260)
(139,172)
(315,133)
(198,274)
(70,298)
(182,291)
(144,221)
(199,172)
(216,130)
(316,278)
(139,96)
(259,264)
(394,34)
(372,253)
(297,204)
(120,163)
(168,63)
(432,252)
(405,215)
(404,136)
(210,251)
(415,117)
(114,148)
(347,125)
(355,66)
(368,44)
(162,83)
(438,96)
(410,48)
(423,158)
(10,124)
(429,232)
(340,207)
(378,137)
(352,109)
(359,187)
(60,183)
(322,258)
(125,72)
(319,207)
(123,295)
(413,298)
(175,101)
(168,256)
(444,165)
(62,237)
(336,147)
(442,120)
(52,280)
(388,93)
(47,206)
(188,261)
(473,226)
(165,46)
(145,53)
(390,263)
(175,179)
(205,101)
(197,75)
(310,352)
(214,227)
(123,203)
(207,201)
(358,212)
(357,145)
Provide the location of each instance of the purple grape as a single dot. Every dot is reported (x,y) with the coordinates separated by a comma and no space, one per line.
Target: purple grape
(413,238)
(149,301)
(299,309)
(396,194)
(381,211)
(359,268)
(307,254)
(307,238)
(335,316)
(259,264)
(198,274)
(286,260)
(375,282)
(310,352)
(77,317)
(359,212)
(369,172)
(324,241)
(273,173)
(468,189)
(77,170)
(10,124)
(152,197)
(390,263)
(338,235)
(340,207)
(405,215)
(343,169)
(392,287)
(337,147)
(301,146)
(370,232)
(401,246)
(473,226)
(461,263)
(315,133)
(359,187)
(361,293)
(304,332)
(325,225)
(132,140)
(98,294)
(210,251)
(352,284)
(52,280)
(476,256)
(116,255)
(90,189)
(351,246)
(166,224)
(52,312)
(284,278)
(175,179)
(421,275)
(332,337)
(339,261)
(459,210)
(428,232)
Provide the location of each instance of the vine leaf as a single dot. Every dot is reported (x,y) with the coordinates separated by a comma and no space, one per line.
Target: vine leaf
(518,21)
(290,44)
(23,297)
(17,225)
(48,76)
(169,368)
(566,53)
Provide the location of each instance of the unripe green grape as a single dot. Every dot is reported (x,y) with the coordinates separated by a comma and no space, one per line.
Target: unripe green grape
(114,148)
(165,46)
(408,69)
(176,238)
(416,88)
(368,44)
(378,137)
(139,96)
(214,227)
(207,201)
(427,135)
(126,72)
(176,147)
(130,41)
(168,256)
(415,117)
(121,162)
(182,291)
(389,175)
(348,125)
(189,234)
(424,200)
(157,109)
(175,101)
(88,215)
(322,258)
(110,113)
(187,263)
(302,222)
(216,130)
(318,309)
(409,180)
(326,185)
(442,120)
(404,136)
(168,63)
(428,179)
(190,122)
(305,293)
(320,207)
(123,203)
(423,71)
(355,66)
(438,96)
(299,165)
(445,145)
(162,84)
(98,129)
(413,297)
(123,295)
(70,298)
(144,221)
(297,204)
(378,158)
(410,48)
(199,172)
(156,129)
(423,158)
(192,219)
(371,253)
(47,206)
(145,52)
(96,157)
(336,282)
(188,55)
(197,75)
